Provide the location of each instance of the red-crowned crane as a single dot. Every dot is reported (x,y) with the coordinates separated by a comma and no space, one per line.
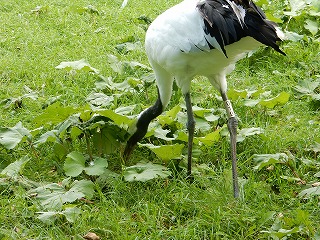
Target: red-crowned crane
(207,38)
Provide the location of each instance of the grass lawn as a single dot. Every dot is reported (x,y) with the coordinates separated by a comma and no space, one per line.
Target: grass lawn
(278,156)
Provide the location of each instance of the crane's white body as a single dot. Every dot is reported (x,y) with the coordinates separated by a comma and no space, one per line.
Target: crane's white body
(177,48)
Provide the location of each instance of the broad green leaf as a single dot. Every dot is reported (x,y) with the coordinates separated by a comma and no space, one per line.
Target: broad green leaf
(80,65)
(10,137)
(281,99)
(96,167)
(128,46)
(182,136)
(245,132)
(314,147)
(100,99)
(312,26)
(293,36)
(74,164)
(263,160)
(145,171)
(85,116)
(202,125)
(210,138)
(15,169)
(296,6)
(118,119)
(200,112)
(251,102)
(49,218)
(108,139)
(54,114)
(234,94)
(84,186)
(52,196)
(309,192)
(210,117)
(166,152)
(169,116)
(281,233)
(307,86)
(75,132)
(120,66)
(273,18)
(162,134)
(71,214)
(50,136)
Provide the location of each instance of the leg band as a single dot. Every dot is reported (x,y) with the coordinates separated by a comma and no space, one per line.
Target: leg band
(229,109)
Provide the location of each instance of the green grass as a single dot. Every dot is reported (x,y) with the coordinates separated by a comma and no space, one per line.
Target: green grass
(32,44)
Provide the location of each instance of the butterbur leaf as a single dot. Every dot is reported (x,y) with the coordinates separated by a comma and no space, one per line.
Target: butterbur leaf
(162,134)
(10,137)
(100,99)
(210,138)
(115,117)
(263,160)
(234,94)
(307,87)
(84,186)
(49,218)
(74,164)
(309,192)
(314,147)
(80,65)
(166,152)
(54,114)
(96,167)
(312,26)
(281,99)
(52,196)
(169,116)
(71,214)
(245,132)
(50,136)
(14,169)
(293,36)
(200,112)
(145,171)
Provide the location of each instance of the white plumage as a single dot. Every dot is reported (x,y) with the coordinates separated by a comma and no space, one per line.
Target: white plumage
(206,38)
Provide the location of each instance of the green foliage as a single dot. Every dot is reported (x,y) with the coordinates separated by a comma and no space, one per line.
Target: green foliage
(145,171)
(75,164)
(10,137)
(13,170)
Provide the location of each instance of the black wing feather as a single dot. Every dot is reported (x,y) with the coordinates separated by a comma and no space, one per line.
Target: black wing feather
(222,23)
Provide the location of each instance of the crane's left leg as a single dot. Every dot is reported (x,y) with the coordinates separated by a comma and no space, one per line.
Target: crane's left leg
(232,126)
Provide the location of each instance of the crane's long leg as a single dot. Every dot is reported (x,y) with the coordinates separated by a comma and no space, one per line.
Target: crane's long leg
(232,126)
(190,127)
(142,126)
